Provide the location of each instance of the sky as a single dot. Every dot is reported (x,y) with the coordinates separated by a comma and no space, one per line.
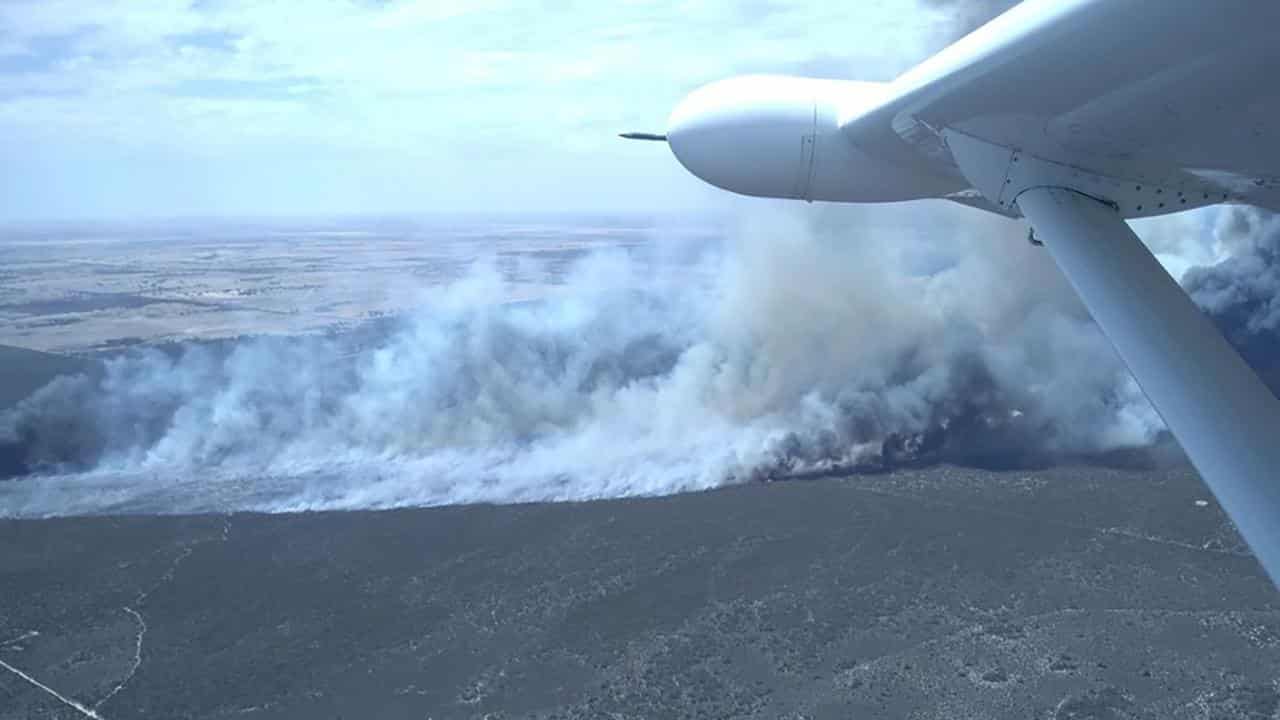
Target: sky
(161,108)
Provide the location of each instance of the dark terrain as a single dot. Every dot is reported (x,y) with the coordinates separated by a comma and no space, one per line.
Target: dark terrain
(937,593)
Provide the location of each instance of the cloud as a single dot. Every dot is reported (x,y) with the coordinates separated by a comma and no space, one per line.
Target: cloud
(429,88)
(968,15)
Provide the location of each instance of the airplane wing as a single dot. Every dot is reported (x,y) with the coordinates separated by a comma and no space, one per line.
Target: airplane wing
(1168,95)
(1075,114)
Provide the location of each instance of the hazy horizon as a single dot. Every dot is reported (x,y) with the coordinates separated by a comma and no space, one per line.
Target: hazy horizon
(266,219)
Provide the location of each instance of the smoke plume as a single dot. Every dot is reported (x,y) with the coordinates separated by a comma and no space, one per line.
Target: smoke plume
(814,341)
(1242,291)
(821,340)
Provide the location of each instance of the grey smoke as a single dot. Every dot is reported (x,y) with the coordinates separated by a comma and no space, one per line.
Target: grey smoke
(1242,292)
(818,340)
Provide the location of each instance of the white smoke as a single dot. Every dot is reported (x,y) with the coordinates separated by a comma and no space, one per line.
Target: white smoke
(817,339)
(1241,290)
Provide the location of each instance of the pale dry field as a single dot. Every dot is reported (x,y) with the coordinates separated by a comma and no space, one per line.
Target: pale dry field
(77,289)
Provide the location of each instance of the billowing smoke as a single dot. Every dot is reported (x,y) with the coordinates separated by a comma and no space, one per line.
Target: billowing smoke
(1242,291)
(815,340)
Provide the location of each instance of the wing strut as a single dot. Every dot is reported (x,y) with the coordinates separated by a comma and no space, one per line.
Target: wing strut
(1225,418)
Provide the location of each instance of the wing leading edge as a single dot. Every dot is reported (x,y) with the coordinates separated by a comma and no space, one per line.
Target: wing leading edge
(1172,96)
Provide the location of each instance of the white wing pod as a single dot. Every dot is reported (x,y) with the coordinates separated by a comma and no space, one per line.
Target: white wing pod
(778,136)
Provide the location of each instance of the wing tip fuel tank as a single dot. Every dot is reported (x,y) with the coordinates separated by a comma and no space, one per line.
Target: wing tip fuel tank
(780,136)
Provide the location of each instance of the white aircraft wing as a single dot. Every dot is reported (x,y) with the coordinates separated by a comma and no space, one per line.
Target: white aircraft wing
(1076,114)
(1173,94)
